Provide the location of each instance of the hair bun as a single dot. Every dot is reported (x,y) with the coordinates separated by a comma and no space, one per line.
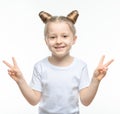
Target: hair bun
(73,16)
(44,16)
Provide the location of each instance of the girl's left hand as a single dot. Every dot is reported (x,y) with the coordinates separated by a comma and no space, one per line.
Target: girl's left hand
(101,69)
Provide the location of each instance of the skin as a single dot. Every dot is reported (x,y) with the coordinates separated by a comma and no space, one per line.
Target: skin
(59,40)
(88,94)
(30,95)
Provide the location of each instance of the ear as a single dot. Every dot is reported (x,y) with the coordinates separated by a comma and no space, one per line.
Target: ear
(74,39)
(45,40)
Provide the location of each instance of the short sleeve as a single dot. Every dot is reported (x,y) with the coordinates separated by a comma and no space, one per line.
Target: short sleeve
(84,79)
(36,80)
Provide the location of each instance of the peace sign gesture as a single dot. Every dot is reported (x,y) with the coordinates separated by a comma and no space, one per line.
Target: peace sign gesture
(14,70)
(101,69)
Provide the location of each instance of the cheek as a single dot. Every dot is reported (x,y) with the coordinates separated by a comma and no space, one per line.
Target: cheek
(49,42)
(69,42)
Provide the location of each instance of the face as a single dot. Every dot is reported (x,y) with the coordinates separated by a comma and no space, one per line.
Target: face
(59,39)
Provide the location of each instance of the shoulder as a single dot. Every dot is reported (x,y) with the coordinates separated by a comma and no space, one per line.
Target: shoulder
(40,66)
(41,63)
(80,62)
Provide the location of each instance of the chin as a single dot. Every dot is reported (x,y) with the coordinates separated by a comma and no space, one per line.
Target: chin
(61,55)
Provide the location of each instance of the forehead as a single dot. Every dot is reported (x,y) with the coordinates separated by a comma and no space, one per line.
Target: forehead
(58,26)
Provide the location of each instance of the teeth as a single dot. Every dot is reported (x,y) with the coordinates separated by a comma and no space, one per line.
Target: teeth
(59,47)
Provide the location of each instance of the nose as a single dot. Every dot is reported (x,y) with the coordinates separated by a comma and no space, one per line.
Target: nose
(58,40)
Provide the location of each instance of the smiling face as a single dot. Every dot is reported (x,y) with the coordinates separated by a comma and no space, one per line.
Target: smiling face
(59,38)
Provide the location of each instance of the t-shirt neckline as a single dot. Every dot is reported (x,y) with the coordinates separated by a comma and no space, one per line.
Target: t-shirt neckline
(60,67)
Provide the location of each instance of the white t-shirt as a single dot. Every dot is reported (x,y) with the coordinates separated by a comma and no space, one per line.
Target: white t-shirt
(59,86)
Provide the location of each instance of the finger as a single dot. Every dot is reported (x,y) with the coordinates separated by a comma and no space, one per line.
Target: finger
(14,61)
(101,60)
(108,63)
(7,64)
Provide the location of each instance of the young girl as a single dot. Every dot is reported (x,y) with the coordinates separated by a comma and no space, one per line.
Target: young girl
(60,79)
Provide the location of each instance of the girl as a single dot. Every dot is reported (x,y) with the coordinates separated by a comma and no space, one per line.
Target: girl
(60,79)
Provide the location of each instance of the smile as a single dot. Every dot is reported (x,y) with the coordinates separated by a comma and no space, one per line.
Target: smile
(60,47)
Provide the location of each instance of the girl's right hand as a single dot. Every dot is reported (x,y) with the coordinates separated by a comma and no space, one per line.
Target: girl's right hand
(14,70)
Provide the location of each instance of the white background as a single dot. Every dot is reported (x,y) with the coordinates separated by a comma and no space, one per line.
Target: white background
(21,36)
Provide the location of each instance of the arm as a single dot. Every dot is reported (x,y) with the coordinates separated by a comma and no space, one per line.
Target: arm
(32,96)
(88,94)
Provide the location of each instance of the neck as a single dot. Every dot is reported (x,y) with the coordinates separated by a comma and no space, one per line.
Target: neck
(61,61)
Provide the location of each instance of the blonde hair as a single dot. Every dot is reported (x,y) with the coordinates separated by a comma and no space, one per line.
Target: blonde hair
(70,19)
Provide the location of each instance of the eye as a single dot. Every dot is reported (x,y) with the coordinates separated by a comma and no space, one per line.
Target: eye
(65,36)
(52,37)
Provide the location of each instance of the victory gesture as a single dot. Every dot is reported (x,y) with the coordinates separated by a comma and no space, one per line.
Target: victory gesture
(14,70)
(101,69)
